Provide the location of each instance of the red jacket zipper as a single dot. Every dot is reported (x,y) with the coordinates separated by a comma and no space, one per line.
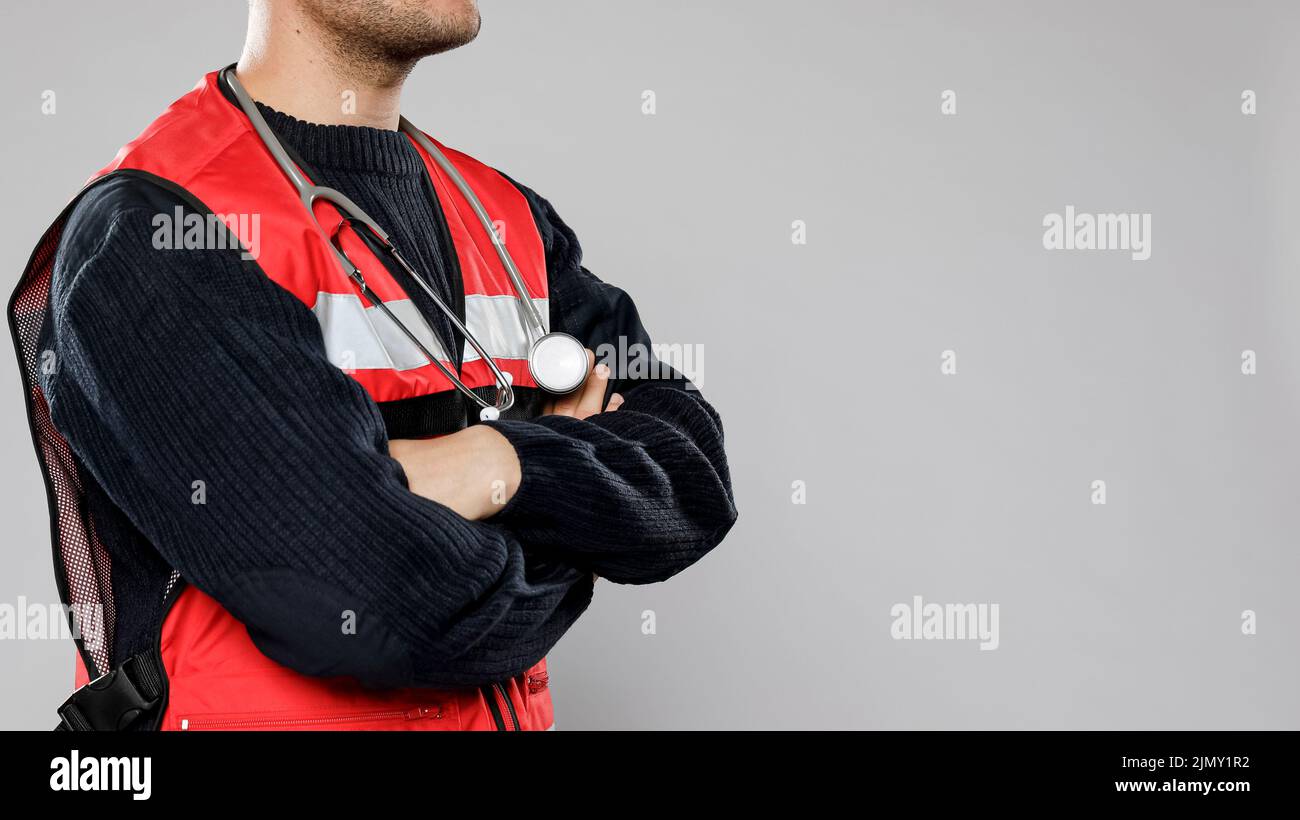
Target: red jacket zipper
(512,718)
(537,683)
(417,713)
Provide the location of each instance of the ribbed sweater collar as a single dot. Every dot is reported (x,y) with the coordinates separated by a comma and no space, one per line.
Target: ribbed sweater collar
(354,148)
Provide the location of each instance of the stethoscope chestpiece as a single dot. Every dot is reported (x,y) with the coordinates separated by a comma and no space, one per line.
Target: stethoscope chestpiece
(558,363)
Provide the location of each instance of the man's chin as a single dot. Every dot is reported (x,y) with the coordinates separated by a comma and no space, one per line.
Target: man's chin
(398,30)
(450,33)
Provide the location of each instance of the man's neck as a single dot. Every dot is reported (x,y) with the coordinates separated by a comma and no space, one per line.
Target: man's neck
(290,65)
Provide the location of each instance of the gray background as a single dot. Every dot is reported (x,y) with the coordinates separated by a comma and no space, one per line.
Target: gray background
(924,235)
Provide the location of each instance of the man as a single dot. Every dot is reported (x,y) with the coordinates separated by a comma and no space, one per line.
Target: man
(281,521)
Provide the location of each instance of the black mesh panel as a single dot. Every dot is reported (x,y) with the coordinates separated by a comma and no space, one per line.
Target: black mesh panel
(82,564)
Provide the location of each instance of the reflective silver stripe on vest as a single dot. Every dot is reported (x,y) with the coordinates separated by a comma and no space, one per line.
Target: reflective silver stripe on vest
(364,338)
(496,323)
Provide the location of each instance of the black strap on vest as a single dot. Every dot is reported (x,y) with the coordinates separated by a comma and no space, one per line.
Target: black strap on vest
(117,701)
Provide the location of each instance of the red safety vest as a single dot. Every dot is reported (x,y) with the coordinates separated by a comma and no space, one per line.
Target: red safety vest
(216,676)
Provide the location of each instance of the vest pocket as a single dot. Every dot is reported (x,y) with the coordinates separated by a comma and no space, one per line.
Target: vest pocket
(414,718)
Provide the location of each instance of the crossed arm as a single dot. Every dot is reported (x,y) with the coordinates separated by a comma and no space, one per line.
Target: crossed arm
(475,472)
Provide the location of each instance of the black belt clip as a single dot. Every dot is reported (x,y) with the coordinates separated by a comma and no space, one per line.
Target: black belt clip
(112,702)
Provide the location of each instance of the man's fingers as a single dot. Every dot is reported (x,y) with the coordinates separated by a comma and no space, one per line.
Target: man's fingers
(593,392)
(567,405)
(589,398)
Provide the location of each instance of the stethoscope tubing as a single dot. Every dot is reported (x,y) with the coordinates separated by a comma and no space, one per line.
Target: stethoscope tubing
(309,193)
(533,316)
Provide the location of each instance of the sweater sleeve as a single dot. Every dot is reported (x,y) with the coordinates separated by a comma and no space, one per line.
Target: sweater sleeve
(638,494)
(198,394)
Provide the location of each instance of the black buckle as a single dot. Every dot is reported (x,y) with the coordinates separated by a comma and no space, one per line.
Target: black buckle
(109,703)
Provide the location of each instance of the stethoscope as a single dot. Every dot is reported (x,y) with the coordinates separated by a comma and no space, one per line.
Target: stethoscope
(557,361)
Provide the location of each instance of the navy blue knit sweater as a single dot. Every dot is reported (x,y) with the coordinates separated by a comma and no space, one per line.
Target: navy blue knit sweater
(178,366)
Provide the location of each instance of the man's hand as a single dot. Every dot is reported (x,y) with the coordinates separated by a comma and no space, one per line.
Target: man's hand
(475,471)
(587,399)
